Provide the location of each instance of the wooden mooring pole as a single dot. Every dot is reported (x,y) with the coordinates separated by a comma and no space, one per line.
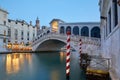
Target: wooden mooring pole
(68,57)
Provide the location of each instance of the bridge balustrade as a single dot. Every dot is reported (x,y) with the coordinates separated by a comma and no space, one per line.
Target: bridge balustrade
(75,39)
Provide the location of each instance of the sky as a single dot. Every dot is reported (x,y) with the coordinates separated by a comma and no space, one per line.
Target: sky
(46,10)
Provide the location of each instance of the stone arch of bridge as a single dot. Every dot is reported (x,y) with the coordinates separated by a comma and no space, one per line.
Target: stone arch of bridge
(50,45)
(48,41)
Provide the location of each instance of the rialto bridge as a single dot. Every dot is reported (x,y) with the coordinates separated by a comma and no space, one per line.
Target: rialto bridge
(54,38)
(55,42)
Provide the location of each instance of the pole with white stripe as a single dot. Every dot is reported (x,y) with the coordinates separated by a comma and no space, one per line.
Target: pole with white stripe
(68,57)
(80,48)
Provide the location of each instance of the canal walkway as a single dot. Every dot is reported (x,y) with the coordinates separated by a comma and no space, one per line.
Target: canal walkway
(95,67)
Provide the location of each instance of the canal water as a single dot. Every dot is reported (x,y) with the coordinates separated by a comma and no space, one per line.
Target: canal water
(39,66)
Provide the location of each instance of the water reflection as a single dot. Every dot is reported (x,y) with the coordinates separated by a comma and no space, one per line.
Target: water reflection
(8,64)
(14,61)
(55,75)
(38,66)
(62,56)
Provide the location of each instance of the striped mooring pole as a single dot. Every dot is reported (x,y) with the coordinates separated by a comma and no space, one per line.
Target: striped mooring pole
(68,56)
(80,48)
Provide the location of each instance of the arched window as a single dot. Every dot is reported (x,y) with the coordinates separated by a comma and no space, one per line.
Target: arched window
(76,30)
(68,29)
(62,30)
(85,31)
(95,32)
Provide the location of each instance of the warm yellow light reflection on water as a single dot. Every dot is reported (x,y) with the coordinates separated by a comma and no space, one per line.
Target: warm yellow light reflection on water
(21,59)
(55,75)
(15,64)
(29,58)
(8,64)
(62,56)
(14,61)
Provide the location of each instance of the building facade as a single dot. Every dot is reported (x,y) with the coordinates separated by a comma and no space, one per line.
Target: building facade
(20,31)
(110,34)
(16,31)
(3,30)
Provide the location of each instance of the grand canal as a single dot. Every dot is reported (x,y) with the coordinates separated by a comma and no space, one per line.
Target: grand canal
(38,66)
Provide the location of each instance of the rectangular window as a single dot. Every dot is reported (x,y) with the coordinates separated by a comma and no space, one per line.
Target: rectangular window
(33,35)
(106,28)
(16,34)
(4,33)
(109,20)
(5,23)
(9,32)
(115,13)
(9,20)
(104,32)
(28,39)
(4,40)
(27,35)
(22,35)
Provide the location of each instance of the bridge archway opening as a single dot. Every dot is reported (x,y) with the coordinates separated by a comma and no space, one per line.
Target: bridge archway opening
(48,32)
(95,32)
(76,30)
(68,29)
(85,31)
(62,30)
(51,45)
